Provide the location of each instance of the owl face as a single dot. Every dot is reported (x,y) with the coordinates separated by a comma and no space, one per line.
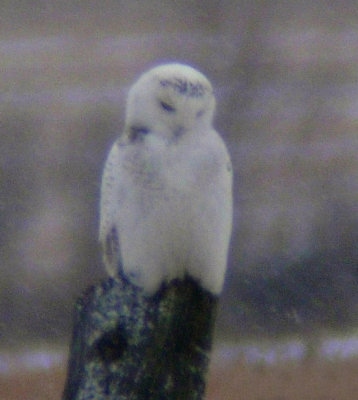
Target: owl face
(169,101)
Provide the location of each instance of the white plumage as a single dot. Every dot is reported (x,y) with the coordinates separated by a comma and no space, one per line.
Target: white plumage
(166,197)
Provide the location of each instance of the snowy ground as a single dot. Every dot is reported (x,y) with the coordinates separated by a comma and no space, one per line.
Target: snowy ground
(268,353)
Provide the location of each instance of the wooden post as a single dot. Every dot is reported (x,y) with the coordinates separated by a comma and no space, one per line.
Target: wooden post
(129,346)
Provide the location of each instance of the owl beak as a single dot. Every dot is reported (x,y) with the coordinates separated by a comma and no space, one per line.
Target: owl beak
(178,132)
(136,132)
(133,134)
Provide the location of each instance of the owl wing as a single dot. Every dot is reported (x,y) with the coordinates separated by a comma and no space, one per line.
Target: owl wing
(109,203)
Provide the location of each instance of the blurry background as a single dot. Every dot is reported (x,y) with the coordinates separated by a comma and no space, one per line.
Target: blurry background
(285,75)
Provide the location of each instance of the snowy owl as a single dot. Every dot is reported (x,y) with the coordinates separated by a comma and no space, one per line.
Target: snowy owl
(166,195)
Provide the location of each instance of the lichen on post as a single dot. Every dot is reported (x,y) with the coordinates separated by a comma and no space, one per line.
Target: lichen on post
(127,345)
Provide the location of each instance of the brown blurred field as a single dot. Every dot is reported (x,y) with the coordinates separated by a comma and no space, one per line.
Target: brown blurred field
(319,380)
(316,380)
(37,385)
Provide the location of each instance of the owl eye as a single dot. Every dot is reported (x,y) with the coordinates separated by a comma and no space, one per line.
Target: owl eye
(167,107)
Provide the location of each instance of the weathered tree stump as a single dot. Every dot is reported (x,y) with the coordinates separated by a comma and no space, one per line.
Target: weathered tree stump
(130,346)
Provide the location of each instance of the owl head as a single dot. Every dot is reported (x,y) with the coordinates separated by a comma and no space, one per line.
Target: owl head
(169,101)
